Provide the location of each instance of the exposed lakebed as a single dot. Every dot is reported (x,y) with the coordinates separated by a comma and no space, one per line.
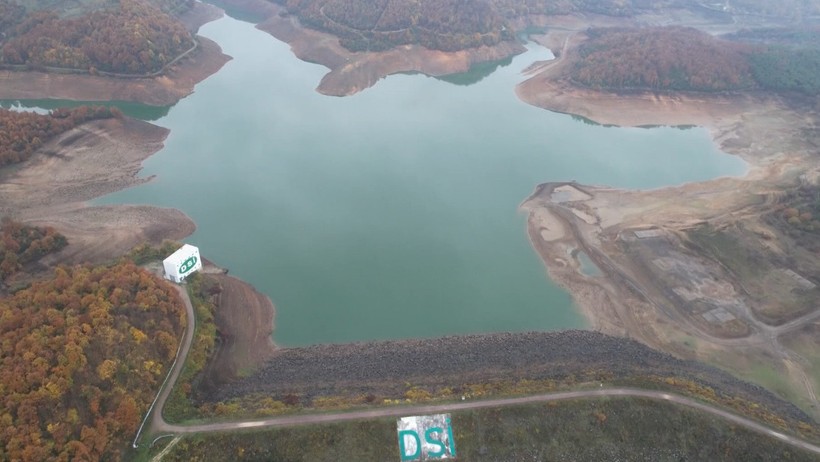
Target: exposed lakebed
(391,213)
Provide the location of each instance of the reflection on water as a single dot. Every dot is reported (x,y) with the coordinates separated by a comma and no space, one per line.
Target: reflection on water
(477,72)
(135,110)
(238,13)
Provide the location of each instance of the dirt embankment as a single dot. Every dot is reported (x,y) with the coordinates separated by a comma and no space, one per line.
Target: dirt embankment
(352,72)
(164,90)
(245,322)
(96,158)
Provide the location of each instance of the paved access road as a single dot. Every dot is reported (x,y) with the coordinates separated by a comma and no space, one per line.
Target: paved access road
(159,425)
(155,411)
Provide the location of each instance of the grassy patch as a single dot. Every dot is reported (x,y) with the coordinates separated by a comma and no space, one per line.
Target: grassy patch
(776,292)
(773,379)
(727,249)
(806,343)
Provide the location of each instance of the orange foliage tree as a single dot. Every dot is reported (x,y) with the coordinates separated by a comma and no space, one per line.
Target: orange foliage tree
(80,363)
(136,37)
(662,58)
(382,24)
(21,244)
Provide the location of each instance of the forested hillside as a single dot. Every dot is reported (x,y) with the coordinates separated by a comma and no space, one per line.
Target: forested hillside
(23,132)
(656,59)
(10,14)
(788,69)
(131,36)
(442,24)
(21,244)
(665,58)
(82,356)
(382,24)
(516,8)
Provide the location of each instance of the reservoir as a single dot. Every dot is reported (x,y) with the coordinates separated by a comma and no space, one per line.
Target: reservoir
(391,213)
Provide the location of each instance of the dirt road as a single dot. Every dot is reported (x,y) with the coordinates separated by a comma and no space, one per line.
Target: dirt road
(295,420)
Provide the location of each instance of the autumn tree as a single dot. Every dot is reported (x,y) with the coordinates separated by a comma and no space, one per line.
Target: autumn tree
(75,380)
(378,25)
(21,133)
(447,25)
(662,58)
(21,244)
(136,37)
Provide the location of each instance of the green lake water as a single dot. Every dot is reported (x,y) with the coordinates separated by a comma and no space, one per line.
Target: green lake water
(391,213)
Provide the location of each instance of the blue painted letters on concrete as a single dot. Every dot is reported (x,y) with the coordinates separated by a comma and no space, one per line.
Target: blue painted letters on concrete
(426,438)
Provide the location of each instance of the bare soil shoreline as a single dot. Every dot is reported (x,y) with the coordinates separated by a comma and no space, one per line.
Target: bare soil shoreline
(54,187)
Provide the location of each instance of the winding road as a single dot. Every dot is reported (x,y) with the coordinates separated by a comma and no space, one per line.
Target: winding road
(158,425)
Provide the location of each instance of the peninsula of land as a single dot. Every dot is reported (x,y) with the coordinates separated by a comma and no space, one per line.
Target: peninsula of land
(174,82)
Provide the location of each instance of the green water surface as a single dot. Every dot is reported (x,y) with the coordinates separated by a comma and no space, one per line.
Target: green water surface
(391,213)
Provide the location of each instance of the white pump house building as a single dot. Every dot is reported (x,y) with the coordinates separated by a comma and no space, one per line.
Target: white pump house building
(182,263)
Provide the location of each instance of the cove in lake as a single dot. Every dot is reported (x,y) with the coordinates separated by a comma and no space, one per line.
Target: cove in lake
(391,213)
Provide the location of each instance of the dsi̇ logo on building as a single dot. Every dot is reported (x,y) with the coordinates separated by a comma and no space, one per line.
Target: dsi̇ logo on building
(426,438)
(187,265)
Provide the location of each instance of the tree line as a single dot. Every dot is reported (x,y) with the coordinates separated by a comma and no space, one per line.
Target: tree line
(364,25)
(781,68)
(448,25)
(686,59)
(664,58)
(800,209)
(134,37)
(520,8)
(10,14)
(83,354)
(21,244)
(24,132)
